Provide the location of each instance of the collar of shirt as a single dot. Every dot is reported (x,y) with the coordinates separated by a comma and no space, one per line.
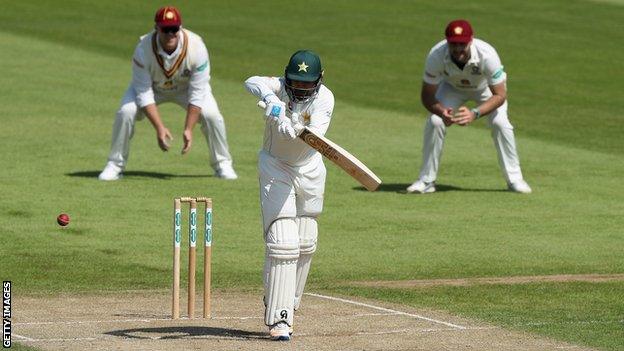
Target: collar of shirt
(176,52)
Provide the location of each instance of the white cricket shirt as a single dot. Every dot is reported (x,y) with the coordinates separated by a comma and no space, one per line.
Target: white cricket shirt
(483,69)
(186,70)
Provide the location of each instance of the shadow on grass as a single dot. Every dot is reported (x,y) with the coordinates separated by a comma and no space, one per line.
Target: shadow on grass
(73,231)
(184,332)
(139,174)
(20,214)
(400,188)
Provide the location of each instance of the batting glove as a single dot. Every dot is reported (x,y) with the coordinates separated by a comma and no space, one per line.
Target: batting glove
(296,123)
(275,111)
(286,130)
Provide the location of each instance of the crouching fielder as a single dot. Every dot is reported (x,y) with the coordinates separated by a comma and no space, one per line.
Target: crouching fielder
(170,64)
(459,69)
(292,182)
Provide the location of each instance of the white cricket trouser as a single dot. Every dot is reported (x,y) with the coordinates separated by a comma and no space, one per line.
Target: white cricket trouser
(289,192)
(212,126)
(502,134)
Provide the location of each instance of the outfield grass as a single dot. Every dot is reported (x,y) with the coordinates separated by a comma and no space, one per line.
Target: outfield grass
(19,347)
(59,98)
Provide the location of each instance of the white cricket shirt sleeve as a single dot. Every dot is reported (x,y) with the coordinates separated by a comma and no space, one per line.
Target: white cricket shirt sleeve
(200,76)
(264,88)
(321,113)
(141,79)
(434,67)
(492,67)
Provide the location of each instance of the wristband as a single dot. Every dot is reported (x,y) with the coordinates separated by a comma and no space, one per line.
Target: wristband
(476,112)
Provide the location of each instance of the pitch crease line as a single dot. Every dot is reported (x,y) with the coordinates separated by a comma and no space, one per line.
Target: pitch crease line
(61,340)
(24,338)
(417,316)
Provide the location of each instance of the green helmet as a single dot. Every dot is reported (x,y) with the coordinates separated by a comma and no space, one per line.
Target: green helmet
(303,66)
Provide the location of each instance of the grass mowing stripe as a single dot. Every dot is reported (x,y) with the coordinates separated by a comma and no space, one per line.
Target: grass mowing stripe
(561,85)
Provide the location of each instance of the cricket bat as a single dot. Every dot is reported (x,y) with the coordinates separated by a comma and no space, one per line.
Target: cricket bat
(339,156)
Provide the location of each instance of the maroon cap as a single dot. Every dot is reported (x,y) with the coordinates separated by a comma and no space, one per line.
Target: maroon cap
(458,31)
(168,16)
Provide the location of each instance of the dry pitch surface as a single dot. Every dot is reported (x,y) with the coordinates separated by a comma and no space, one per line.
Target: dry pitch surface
(141,321)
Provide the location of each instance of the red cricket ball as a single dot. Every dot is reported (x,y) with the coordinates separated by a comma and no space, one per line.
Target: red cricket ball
(63,219)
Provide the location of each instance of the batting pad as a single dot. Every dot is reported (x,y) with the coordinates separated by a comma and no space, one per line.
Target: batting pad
(308,235)
(282,245)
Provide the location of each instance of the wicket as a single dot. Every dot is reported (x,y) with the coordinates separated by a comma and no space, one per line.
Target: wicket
(177,238)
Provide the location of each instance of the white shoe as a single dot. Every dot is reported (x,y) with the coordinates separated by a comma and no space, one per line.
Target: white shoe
(226,173)
(520,186)
(280,331)
(110,172)
(420,187)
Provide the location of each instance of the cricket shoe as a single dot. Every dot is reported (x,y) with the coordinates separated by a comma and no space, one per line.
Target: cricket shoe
(280,331)
(226,172)
(421,187)
(520,186)
(110,172)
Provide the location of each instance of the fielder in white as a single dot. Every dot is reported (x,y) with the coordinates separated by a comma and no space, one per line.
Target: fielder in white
(292,183)
(459,69)
(170,64)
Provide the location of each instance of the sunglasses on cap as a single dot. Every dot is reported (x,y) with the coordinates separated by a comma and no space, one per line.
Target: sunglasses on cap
(170,30)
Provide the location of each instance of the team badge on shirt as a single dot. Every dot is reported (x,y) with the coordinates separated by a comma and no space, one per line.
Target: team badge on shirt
(475,70)
(306,117)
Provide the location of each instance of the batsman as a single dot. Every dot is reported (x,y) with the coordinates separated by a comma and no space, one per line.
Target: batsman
(292,182)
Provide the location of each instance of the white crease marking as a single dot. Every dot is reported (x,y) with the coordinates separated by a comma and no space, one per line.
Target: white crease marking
(417,316)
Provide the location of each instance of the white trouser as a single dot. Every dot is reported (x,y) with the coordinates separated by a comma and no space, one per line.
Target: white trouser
(502,134)
(289,192)
(290,195)
(212,126)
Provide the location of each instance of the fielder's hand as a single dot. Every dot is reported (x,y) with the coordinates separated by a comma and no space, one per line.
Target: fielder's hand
(164,137)
(447,116)
(187,135)
(463,116)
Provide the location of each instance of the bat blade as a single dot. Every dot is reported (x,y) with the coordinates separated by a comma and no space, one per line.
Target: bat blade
(341,158)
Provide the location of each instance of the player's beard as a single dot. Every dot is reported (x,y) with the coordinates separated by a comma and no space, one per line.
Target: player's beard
(461,56)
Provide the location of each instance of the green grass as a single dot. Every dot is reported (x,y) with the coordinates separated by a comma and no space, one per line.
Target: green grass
(73,64)
(19,347)
(561,64)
